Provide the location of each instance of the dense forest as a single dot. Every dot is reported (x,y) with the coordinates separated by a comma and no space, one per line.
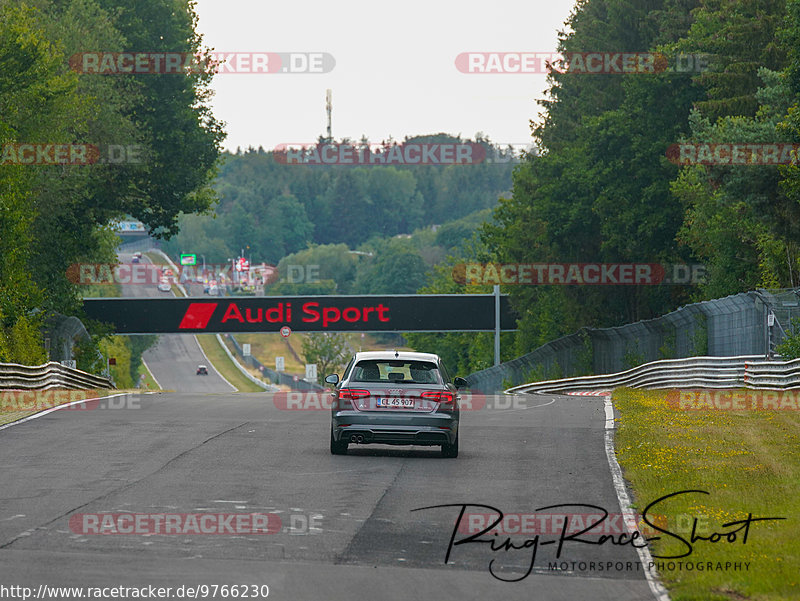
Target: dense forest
(604,189)
(58,201)
(603,186)
(274,209)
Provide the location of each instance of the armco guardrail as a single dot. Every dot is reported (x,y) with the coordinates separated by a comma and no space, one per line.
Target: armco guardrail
(763,374)
(734,326)
(751,371)
(241,368)
(47,376)
(277,377)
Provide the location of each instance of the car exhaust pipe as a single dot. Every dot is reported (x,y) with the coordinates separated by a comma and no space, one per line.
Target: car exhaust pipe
(359,438)
(353,438)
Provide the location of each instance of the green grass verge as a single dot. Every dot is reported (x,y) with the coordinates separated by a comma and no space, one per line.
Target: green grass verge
(749,462)
(101,291)
(19,404)
(266,346)
(149,381)
(157,259)
(216,355)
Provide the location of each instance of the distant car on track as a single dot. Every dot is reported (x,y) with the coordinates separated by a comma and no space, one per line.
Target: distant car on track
(137,257)
(396,398)
(164,285)
(202,370)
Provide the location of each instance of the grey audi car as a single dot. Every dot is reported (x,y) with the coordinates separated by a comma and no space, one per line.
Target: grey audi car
(396,398)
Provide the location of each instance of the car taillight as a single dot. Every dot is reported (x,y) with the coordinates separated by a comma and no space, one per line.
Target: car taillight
(445,398)
(353,393)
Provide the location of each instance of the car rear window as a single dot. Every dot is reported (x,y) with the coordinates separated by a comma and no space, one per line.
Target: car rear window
(409,372)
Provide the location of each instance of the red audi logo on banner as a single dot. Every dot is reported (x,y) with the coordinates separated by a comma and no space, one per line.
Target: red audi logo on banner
(197,316)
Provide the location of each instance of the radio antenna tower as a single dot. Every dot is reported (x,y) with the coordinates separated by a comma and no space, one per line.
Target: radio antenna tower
(328,108)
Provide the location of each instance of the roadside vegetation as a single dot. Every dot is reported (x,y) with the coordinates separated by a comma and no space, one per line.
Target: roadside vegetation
(600,188)
(749,463)
(55,215)
(19,404)
(273,210)
(222,363)
(603,189)
(315,348)
(148,382)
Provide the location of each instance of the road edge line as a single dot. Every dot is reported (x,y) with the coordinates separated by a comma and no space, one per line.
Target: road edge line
(235,361)
(219,373)
(624,499)
(150,371)
(174,268)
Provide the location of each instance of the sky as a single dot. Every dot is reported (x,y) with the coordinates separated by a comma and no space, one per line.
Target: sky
(395,70)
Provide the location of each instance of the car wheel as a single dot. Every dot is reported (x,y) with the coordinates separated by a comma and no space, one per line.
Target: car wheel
(338,448)
(450,450)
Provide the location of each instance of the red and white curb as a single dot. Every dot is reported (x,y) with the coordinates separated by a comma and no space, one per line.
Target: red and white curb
(588,392)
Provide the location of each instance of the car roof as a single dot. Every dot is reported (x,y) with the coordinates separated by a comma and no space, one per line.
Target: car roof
(401,356)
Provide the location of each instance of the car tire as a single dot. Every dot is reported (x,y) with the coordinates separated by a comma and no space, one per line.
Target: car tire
(450,450)
(338,448)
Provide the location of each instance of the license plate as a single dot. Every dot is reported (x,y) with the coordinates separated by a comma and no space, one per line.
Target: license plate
(390,402)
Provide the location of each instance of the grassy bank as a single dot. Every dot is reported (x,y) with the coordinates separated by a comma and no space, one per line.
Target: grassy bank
(222,363)
(149,381)
(265,347)
(749,462)
(19,404)
(157,259)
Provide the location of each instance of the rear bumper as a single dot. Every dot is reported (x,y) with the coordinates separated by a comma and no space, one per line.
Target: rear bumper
(395,428)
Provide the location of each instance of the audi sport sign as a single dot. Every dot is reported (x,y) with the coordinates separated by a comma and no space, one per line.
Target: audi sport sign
(396,313)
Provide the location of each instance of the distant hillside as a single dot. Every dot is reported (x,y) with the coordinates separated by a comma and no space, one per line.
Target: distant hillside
(273,208)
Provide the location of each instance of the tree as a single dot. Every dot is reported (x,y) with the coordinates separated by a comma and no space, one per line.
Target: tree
(34,95)
(25,340)
(173,114)
(790,347)
(53,215)
(740,38)
(600,189)
(395,268)
(328,350)
(319,269)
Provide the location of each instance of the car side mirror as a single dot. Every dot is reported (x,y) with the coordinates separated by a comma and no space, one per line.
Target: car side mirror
(332,379)
(460,382)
